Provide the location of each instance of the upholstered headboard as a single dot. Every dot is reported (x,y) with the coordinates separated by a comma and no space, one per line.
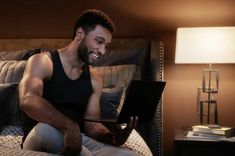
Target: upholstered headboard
(146,54)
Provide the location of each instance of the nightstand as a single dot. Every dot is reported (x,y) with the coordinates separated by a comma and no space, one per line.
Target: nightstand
(185,146)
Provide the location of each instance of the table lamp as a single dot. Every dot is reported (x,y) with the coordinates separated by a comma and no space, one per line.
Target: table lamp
(206,45)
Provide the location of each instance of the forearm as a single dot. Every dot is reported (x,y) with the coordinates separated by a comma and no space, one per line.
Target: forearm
(42,111)
(98,132)
(110,133)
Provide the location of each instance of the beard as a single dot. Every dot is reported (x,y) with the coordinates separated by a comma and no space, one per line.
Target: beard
(89,57)
(83,53)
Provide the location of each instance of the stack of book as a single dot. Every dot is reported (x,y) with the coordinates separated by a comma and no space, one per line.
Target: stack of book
(211,132)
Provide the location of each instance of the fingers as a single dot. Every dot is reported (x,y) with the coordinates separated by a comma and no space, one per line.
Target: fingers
(135,121)
(132,122)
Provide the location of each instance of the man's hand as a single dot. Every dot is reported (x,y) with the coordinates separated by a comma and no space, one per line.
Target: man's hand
(121,135)
(72,139)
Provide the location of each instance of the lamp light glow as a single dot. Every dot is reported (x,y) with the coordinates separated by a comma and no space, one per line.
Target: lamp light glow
(205,45)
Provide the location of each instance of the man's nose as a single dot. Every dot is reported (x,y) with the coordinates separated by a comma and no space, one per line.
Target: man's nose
(102,49)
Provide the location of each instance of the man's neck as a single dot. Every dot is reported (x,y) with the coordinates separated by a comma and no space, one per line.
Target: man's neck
(69,56)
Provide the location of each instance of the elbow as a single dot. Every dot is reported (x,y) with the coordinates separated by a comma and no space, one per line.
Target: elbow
(25,103)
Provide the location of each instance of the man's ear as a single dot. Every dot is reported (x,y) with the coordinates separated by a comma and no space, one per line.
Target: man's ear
(80,34)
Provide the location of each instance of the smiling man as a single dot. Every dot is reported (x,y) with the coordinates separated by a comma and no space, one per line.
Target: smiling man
(60,88)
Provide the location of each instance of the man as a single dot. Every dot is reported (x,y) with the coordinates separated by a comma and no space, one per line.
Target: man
(60,88)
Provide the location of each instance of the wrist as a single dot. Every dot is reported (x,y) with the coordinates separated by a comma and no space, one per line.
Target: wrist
(109,137)
(69,125)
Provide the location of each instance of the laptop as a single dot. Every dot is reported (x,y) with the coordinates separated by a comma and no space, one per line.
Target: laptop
(141,100)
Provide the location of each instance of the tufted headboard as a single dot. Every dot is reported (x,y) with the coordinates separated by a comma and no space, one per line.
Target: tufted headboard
(146,54)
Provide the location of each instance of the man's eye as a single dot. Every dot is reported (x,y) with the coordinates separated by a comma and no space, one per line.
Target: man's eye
(99,41)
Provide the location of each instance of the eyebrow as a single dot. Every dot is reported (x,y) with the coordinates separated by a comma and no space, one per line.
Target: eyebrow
(103,39)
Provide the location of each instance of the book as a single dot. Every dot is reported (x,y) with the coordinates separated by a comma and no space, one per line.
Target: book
(214,130)
(208,137)
(203,136)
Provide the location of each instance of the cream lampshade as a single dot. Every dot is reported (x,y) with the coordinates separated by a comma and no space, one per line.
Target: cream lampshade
(206,45)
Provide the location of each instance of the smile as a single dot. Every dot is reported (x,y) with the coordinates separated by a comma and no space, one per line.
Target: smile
(93,57)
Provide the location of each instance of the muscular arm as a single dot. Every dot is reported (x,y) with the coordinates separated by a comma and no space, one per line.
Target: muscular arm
(94,129)
(38,69)
(115,134)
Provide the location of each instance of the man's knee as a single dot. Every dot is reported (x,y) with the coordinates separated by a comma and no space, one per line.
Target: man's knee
(45,137)
(46,130)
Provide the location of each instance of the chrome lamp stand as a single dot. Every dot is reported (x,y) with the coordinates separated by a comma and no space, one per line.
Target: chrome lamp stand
(207,104)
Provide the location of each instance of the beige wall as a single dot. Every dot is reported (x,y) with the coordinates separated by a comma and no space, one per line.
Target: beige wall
(33,19)
(180,94)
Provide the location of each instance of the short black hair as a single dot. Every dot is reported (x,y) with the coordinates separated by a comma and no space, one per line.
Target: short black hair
(90,18)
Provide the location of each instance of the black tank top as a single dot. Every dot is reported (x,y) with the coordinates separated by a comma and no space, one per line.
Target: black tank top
(70,97)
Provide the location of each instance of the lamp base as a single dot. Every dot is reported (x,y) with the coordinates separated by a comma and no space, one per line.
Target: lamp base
(210,80)
(208,113)
(207,105)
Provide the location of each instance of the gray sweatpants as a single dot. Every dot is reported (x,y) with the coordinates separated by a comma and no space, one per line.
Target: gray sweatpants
(46,138)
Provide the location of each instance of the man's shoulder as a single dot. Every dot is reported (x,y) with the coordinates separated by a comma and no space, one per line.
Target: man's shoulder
(95,74)
(40,64)
(40,57)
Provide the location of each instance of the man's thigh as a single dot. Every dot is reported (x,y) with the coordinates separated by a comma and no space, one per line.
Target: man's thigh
(44,137)
(102,149)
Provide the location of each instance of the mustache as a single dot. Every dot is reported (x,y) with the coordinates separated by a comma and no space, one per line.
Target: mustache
(96,52)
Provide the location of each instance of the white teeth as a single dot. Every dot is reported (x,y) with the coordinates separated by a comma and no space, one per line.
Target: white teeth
(96,56)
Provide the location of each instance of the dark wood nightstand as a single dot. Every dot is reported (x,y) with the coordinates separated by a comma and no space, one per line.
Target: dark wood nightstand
(185,146)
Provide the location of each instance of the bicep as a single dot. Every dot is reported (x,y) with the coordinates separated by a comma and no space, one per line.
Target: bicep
(34,75)
(93,106)
(30,85)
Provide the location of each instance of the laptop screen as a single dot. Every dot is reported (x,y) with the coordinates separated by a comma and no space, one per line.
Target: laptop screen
(141,100)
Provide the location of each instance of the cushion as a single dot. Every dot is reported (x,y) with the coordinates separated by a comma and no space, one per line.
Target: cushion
(116,76)
(110,101)
(6,91)
(8,151)
(118,79)
(19,54)
(12,141)
(115,80)
(12,130)
(129,51)
(136,143)
(11,71)
(14,113)
(11,136)
(125,51)
(123,56)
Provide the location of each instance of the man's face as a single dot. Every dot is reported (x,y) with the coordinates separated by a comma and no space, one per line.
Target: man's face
(94,45)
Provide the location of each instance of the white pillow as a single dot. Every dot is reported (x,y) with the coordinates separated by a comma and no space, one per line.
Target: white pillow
(136,143)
